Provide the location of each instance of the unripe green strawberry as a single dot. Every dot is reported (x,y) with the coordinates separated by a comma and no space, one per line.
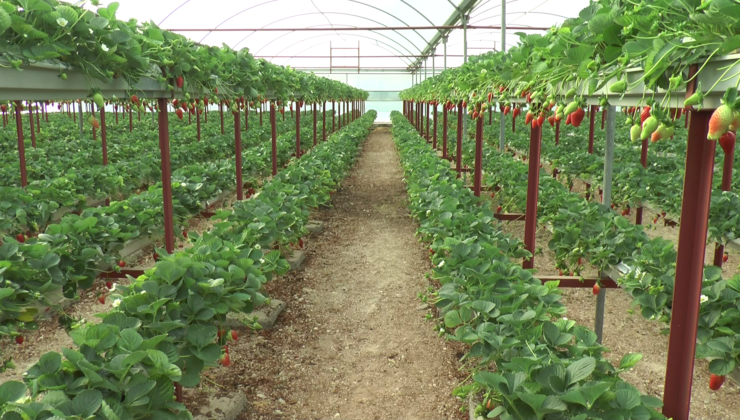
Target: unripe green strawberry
(635,132)
(570,108)
(735,122)
(669,131)
(649,127)
(618,87)
(629,121)
(720,122)
(98,99)
(693,100)
(570,93)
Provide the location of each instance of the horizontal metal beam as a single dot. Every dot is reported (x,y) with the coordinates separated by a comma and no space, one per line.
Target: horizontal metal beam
(573,282)
(359,28)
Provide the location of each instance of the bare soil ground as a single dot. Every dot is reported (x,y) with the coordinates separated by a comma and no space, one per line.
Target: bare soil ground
(353,343)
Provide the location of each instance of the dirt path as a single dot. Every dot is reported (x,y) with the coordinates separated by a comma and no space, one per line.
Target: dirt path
(354,343)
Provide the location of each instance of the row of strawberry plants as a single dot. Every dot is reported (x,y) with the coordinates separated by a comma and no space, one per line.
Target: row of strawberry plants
(586,230)
(32,208)
(68,256)
(166,326)
(660,184)
(546,365)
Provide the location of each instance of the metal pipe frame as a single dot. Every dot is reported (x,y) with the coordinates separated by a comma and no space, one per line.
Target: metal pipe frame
(434,141)
(314,124)
(323,122)
(298,130)
(444,131)
(358,28)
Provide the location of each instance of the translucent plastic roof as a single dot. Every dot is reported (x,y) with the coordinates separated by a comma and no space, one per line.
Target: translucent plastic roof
(377,49)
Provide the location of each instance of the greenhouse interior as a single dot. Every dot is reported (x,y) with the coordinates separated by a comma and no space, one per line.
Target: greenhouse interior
(354,209)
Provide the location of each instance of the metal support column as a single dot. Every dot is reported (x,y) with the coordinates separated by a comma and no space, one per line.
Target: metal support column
(323,122)
(444,131)
(643,161)
(434,135)
(458,153)
(238,151)
(314,123)
(533,187)
(164,148)
(478,171)
(273,131)
(298,130)
(79,122)
(21,144)
(611,129)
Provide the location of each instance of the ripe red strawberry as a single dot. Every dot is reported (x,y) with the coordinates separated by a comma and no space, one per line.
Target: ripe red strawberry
(655,220)
(490,96)
(507,109)
(234,335)
(517,111)
(4,108)
(94,122)
(180,82)
(431,251)
(20,238)
(528,118)
(475,115)
(121,263)
(561,272)
(493,195)
(498,209)
(19,339)
(715,382)
(101,299)
(597,289)
(300,243)
(577,116)
(135,99)
(155,256)
(725,257)
(541,119)
(720,122)
(179,113)
(109,284)
(727,141)
(644,114)
(225,360)
(185,234)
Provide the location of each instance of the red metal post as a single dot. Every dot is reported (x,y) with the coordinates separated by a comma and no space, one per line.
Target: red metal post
(323,121)
(21,144)
(274,138)
(164,148)
(33,132)
(444,131)
(104,136)
(603,117)
(533,187)
(719,249)
(221,111)
(238,145)
(643,161)
(246,117)
(426,108)
(591,118)
(115,111)
(38,118)
(513,120)
(434,135)
(298,130)
(332,115)
(262,111)
(490,114)
(458,153)
(478,171)
(557,132)
(314,123)
(197,123)
(130,120)
(689,267)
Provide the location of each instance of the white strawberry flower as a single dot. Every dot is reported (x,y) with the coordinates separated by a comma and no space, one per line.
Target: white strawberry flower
(441,264)
(262,260)
(703,299)
(62,22)
(143,292)
(117,303)
(257,246)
